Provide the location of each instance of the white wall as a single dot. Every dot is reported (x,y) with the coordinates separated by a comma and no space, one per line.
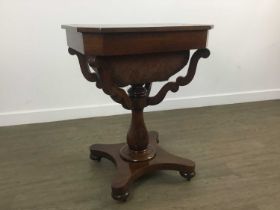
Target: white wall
(40,81)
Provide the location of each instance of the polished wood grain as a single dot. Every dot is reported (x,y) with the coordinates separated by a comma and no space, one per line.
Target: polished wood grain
(112,72)
(106,41)
(127,172)
(144,68)
(118,58)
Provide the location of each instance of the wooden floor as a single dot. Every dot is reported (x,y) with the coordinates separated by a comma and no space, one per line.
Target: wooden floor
(236,149)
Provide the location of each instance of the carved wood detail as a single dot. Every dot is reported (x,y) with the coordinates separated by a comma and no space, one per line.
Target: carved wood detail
(180,81)
(115,92)
(84,65)
(104,77)
(144,68)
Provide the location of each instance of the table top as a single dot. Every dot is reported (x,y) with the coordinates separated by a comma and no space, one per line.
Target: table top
(118,28)
(106,40)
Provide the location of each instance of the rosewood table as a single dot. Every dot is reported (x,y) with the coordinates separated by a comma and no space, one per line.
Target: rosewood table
(116,56)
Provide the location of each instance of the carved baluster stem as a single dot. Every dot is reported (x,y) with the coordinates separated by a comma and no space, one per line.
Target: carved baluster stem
(137,136)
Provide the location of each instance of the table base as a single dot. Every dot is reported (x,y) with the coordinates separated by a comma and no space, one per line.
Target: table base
(129,171)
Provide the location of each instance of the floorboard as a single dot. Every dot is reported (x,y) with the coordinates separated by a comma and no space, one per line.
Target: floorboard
(236,149)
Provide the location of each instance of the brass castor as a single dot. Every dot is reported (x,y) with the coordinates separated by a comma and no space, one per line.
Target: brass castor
(120,197)
(187,175)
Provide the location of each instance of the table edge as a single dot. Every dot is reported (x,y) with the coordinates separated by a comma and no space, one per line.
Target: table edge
(86,29)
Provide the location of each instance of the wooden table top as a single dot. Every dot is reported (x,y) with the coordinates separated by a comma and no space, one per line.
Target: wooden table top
(107,40)
(83,28)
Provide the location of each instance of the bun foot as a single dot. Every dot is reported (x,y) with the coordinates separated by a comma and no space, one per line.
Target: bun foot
(187,175)
(120,197)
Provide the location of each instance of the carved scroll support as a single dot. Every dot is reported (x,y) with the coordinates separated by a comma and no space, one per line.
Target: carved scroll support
(84,65)
(111,89)
(180,81)
(113,72)
(102,78)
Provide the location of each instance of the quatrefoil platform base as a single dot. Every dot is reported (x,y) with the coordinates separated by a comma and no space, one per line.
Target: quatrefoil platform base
(129,171)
